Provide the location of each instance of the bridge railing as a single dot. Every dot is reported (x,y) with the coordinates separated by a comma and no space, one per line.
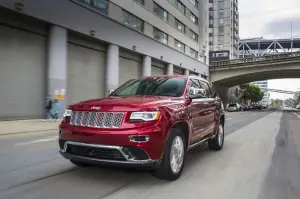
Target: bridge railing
(253,60)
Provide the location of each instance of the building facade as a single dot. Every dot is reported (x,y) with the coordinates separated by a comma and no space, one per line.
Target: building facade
(80,49)
(223,29)
(264,86)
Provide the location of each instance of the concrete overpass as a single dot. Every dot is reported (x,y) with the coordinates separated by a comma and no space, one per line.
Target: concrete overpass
(229,73)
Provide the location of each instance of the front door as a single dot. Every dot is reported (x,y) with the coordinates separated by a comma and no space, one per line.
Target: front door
(198,110)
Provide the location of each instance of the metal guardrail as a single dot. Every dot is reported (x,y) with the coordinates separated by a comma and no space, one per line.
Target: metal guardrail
(254,60)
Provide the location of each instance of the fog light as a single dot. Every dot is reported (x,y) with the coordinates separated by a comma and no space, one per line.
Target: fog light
(139,138)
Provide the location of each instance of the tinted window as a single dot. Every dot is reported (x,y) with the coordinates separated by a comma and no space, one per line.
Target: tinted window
(195,87)
(206,89)
(159,86)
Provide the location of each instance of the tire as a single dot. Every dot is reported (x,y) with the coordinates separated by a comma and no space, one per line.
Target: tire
(218,141)
(165,171)
(80,164)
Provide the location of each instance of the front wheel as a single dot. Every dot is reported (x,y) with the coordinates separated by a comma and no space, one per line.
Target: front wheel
(174,156)
(218,141)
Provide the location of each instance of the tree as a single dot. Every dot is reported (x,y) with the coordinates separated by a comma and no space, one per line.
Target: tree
(298,99)
(252,92)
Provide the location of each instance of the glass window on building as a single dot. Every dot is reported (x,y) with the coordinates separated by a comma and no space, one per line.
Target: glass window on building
(140,2)
(133,21)
(221,4)
(221,38)
(99,5)
(180,26)
(195,3)
(221,13)
(179,46)
(193,35)
(193,18)
(160,12)
(180,7)
(221,21)
(194,53)
(221,29)
(160,36)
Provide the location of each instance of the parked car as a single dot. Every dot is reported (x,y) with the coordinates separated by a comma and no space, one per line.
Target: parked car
(233,107)
(148,122)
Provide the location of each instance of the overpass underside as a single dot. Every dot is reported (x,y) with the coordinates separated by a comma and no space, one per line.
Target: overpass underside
(226,74)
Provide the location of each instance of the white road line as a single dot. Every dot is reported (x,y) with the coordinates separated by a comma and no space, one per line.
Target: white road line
(49,139)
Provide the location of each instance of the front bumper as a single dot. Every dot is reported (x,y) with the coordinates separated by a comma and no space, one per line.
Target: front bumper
(106,154)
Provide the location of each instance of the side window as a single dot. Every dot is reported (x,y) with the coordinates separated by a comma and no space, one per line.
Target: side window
(213,90)
(195,87)
(206,89)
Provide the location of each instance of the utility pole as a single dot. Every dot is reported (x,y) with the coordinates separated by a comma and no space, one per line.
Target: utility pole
(291,36)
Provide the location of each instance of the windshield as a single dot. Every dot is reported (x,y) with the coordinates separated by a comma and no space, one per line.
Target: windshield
(156,86)
(232,105)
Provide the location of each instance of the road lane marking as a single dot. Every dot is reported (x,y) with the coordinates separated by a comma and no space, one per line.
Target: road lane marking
(49,139)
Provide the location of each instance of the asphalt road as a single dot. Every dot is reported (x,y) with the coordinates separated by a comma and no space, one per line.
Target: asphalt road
(260,160)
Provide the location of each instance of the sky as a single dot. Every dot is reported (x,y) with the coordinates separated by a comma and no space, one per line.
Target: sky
(271,19)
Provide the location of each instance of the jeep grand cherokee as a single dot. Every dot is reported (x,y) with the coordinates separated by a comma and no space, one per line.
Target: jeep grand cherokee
(147,122)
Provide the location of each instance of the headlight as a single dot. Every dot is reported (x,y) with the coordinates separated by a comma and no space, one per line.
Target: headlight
(67,113)
(144,116)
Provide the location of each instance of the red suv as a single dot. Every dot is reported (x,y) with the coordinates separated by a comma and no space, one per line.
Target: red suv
(148,122)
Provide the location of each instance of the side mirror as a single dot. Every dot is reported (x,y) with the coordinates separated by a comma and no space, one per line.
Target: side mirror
(110,92)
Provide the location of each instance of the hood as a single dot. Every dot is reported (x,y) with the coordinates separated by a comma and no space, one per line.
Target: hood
(126,103)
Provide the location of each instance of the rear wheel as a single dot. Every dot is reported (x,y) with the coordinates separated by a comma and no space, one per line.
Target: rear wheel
(218,141)
(174,156)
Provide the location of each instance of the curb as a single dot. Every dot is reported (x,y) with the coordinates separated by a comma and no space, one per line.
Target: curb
(24,132)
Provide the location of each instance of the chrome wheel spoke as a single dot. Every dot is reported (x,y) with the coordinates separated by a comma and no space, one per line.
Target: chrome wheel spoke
(176,154)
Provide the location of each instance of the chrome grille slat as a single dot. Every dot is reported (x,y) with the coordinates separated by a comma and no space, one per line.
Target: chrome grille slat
(108,120)
(96,119)
(117,120)
(92,119)
(99,121)
(84,118)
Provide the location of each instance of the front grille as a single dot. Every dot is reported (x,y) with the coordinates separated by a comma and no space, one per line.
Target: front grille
(97,119)
(94,152)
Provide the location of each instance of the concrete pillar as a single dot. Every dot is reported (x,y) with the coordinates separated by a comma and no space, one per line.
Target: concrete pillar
(147,66)
(223,92)
(170,69)
(186,72)
(112,68)
(57,63)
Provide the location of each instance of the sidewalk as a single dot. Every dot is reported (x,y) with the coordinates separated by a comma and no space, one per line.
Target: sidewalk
(26,126)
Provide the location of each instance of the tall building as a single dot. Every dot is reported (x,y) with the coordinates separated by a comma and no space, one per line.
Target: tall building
(223,29)
(264,86)
(80,49)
